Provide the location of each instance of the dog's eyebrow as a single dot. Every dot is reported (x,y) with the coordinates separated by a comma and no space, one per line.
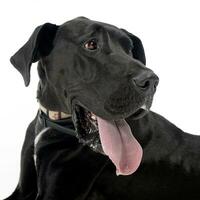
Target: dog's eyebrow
(95,27)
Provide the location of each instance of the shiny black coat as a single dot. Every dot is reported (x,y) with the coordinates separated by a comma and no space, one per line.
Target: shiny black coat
(67,170)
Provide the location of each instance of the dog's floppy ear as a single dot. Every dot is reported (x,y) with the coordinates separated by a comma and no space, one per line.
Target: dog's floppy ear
(138,49)
(39,45)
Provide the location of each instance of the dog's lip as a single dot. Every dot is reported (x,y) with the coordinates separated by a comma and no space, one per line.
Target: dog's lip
(139,113)
(83,126)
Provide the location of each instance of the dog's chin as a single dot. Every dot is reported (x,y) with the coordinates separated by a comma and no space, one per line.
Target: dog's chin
(86,125)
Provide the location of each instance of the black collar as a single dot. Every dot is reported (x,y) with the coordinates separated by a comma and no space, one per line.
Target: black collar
(63,125)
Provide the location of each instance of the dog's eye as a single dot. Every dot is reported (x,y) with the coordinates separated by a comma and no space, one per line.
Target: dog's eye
(91,45)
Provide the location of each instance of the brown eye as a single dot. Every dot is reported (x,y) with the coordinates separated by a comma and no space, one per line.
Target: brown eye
(91,45)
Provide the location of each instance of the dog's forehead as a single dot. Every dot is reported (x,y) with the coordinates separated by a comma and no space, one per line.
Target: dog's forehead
(81,25)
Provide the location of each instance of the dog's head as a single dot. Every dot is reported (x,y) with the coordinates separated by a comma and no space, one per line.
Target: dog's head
(93,70)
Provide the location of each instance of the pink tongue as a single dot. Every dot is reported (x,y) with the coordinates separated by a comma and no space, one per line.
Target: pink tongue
(120,145)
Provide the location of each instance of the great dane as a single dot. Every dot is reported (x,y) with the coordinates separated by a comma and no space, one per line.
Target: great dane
(94,137)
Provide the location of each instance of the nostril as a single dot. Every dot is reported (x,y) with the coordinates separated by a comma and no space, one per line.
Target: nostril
(145,84)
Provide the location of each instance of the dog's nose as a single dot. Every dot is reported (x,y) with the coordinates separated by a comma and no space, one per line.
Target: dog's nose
(146,81)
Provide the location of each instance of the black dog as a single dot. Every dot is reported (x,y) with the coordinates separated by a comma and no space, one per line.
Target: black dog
(96,73)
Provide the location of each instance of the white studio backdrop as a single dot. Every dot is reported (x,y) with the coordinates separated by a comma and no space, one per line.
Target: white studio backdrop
(169,30)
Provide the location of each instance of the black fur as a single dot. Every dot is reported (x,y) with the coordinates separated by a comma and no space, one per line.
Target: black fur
(99,81)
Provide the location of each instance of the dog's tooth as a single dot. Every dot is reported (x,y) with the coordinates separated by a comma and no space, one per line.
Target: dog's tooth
(144,107)
(93,116)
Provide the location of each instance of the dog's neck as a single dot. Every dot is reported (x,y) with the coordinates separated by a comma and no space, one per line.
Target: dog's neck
(54,115)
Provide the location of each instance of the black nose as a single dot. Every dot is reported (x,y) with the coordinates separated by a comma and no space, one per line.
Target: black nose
(146,81)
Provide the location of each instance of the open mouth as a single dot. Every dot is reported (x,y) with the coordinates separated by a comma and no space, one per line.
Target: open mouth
(113,138)
(87,128)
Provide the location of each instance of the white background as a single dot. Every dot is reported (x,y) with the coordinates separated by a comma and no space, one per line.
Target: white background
(170,31)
